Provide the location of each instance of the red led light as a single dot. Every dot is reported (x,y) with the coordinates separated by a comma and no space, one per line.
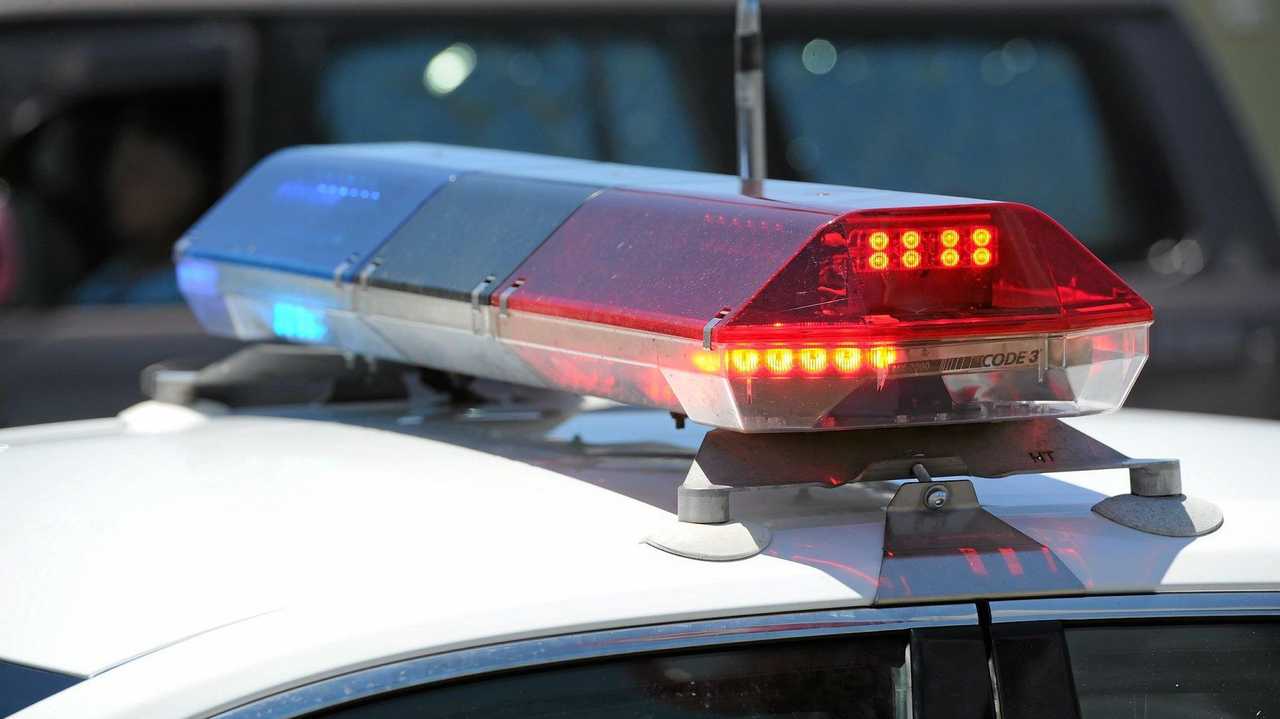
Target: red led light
(813,360)
(745,362)
(779,361)
(882,357)
(846,359)
(936,246)
(802,362)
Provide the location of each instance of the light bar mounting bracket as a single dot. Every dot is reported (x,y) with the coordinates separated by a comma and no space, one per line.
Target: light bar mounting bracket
(479,311)
(732,462)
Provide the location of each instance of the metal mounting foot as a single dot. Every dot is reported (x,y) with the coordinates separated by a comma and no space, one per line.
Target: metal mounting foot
(722,542)
(704,529)
(1156,505)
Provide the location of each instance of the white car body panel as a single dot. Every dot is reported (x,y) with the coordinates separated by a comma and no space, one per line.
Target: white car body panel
(130,541)
(206,560)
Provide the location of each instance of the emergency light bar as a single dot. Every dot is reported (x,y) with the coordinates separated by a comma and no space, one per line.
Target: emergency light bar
(815,307)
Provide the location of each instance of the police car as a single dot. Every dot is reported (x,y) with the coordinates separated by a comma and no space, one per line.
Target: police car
(874,509)
(557,438)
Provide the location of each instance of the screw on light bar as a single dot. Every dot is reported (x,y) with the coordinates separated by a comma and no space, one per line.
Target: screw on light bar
(808,310)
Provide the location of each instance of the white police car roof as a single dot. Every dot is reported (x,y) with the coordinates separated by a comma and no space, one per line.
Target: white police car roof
(204,559)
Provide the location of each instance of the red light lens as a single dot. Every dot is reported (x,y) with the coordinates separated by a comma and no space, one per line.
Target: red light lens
(874,318)
(981,270)
(661,263)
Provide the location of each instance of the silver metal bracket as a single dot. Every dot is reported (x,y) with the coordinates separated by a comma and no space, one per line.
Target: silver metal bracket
(728,462)
(505,298)
(940,542)
(711,325)
(342,268)
(479,316)
(365,274)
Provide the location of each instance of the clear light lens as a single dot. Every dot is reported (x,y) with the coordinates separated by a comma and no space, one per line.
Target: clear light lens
(923,382)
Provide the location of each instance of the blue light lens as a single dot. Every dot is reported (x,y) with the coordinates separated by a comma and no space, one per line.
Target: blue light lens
(295,322)
(314,211)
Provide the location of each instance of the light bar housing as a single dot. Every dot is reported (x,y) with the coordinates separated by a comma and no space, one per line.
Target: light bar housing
(816,307)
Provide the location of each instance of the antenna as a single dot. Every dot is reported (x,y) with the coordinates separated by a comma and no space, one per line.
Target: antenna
(748,86)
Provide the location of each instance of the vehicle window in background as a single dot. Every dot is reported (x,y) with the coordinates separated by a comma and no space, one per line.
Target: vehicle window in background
(859,678)
(1010,119)
(98,194)
(1172,671)
(618,101)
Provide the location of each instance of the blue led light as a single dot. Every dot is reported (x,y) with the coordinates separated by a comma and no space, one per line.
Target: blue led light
(324,193)
(197,277)
(294,322)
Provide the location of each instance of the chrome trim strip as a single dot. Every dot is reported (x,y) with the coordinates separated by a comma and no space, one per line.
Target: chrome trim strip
(420,671)
(1188,605)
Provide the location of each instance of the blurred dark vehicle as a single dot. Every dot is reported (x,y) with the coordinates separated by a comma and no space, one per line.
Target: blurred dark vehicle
(121,121)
